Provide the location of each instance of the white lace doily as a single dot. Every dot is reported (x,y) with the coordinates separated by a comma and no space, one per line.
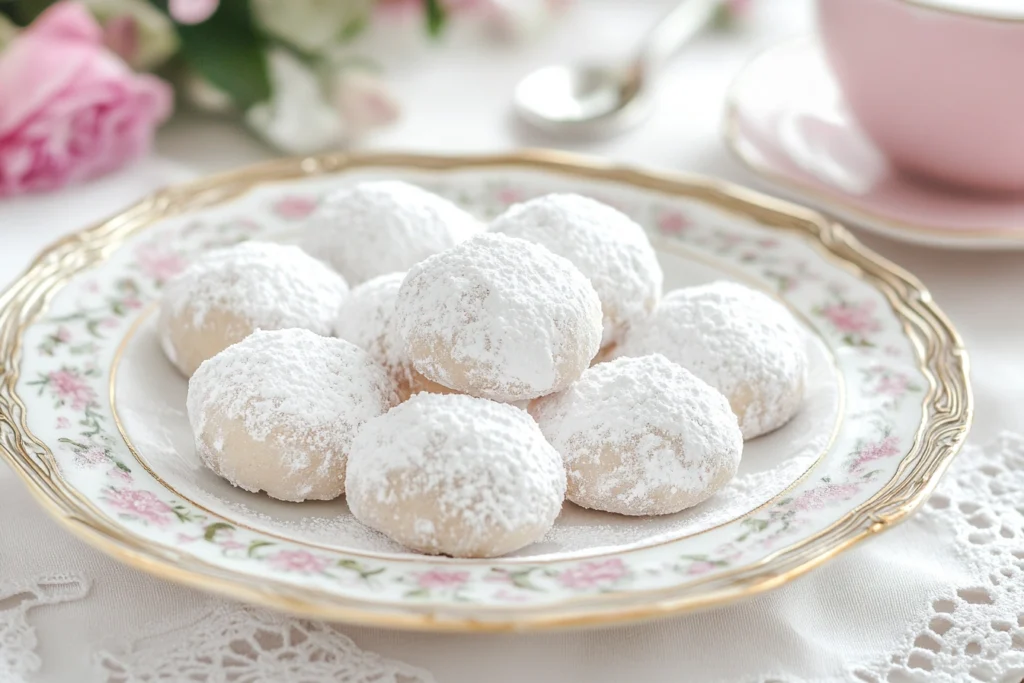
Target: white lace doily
(938,599)
(18,640)
(236,644)
(973,630)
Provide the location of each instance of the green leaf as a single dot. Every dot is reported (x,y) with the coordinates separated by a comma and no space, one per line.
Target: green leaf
(255,545)
(417,593)
(212,529)
(228,51)
(436,16)
(354,27)
(25,11)
(756,524)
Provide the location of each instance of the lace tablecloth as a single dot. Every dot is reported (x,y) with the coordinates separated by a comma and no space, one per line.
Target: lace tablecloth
(939,598)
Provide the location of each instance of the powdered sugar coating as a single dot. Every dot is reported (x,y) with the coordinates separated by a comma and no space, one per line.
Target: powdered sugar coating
(453,474)
(605,244)
(641,436)
(227,293)
(367,319)
(500,318)
(278,411)
(380,227)
(738,340)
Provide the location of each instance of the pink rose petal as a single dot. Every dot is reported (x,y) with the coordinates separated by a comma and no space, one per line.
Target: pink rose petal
(192,11)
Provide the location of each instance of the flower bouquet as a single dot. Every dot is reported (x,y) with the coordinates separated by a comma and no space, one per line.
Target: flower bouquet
(84,83)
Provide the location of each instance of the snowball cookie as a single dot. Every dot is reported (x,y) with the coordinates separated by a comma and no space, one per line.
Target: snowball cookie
(605,244)
(381,227)
(641,436)
(367,319)
(227,293)
(738,340)
(453,474)
(277,411)
(500,318)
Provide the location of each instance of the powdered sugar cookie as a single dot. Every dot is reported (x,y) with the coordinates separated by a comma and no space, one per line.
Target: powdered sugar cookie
(380,227)
(367,319)
(500,318)
(738,340)
(453,474)
(641,436)
(605,244)
(277,411)
(227,293)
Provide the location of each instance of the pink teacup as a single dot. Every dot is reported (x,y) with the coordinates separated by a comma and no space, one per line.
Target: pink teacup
(940,91)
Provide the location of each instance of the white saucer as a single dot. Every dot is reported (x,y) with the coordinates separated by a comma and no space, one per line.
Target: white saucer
(786,120)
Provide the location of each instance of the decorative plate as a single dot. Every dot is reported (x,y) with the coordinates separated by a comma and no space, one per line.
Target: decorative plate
(787,121)
(92,415)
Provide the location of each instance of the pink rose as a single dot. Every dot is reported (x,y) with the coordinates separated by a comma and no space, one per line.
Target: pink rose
(142,504)
(69,108)
(300,561)
(119,474)
(71,389)
(94,455)
(823,496)
(364,101)
(893,385)
(852,318)
(509,195)
(886,448)
(700,567)
(437,578)
(159,265)
(293,207)
(738,7)
(121,35)
(593,574)
(673,223)
(192,11)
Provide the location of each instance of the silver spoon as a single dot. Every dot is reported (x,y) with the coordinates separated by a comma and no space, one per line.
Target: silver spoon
(594,100)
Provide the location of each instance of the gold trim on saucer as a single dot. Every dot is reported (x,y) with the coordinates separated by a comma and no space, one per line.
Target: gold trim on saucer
(866,219)
(963,12)
(939,355)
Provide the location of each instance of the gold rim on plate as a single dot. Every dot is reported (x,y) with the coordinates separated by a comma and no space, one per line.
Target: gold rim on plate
(948,404)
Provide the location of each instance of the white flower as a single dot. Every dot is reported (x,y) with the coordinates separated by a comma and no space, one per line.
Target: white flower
(518,19)
(363,100)
(297,118)
(310,25)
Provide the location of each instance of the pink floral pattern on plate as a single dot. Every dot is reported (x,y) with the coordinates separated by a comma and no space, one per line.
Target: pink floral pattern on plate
(67,377)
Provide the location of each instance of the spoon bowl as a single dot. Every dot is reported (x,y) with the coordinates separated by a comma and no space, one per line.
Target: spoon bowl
(597,100)
(586,98)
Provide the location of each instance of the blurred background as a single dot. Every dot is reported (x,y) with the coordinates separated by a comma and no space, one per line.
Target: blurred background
(308,75)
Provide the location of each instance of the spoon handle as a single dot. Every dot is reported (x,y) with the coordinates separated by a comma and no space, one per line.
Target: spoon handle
(676,29)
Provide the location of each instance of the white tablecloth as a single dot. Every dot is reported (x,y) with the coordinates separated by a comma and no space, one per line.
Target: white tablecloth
(865,604)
